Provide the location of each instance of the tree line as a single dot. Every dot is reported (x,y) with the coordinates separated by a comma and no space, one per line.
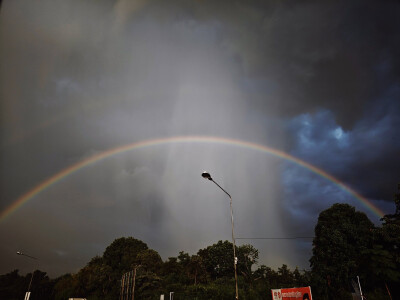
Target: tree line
(346,245)
(205,275)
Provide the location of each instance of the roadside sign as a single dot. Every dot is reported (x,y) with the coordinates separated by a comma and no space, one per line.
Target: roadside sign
(301,293)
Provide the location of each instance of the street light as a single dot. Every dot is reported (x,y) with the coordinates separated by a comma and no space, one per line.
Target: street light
(27,295)
(207,175)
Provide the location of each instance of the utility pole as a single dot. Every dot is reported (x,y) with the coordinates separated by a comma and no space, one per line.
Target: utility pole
(28,294)
(134,280)
(206,175)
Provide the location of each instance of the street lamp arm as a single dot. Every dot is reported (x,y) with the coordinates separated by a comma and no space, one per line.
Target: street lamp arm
(221,188)
(23,254)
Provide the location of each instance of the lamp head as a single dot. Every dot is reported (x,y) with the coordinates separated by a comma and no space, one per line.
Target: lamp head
(206,175)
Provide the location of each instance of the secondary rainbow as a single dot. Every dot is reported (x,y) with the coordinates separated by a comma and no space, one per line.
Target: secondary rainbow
(180,139)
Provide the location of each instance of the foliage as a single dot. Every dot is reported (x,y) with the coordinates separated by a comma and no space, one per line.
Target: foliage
(347,245)
(64,287)
(340,235)
(186,275)
(121,255)
(149,261)
(41,287)
(95,279)
(218,259)
(247,257)
(383,259)
(172,271)
(14,286)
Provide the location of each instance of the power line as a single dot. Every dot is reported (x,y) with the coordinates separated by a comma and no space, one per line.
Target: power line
(275,238)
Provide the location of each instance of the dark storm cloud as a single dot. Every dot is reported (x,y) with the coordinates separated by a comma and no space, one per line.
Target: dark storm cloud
(320,55)
(79,78)
(290,57)
(365,156)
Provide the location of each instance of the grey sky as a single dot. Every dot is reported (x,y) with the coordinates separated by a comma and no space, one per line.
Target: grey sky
(319,81)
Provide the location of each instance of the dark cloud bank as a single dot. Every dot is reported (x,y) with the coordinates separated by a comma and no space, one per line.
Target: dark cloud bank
(318,80)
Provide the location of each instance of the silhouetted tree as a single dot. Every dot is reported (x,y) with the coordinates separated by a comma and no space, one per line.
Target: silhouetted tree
(64,287)
(341,235)
(121,255)
(382,261)
(12,286)
(218,259)
(247,257)
(285,276)
(150,261)
(196,270)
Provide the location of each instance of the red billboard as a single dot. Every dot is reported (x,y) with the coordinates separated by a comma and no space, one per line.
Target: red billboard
(301,293)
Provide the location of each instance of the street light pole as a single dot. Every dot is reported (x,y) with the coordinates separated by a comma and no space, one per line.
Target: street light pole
(208,176)
(30,282)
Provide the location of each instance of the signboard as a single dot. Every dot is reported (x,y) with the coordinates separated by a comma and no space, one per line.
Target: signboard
(301,293)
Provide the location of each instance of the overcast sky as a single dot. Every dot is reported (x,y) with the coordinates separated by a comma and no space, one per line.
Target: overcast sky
(318,80)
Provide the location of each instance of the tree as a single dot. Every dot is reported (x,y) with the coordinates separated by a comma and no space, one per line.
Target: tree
(193,268)
(42,287)
(218,259)
(196,270)
(382,261)
(96,279)
(183,258)
(121,255)
(172,271)
(341,234)
(148,282)
(264,280)
(265,273)
(100,278)
(12,286)
(247,257)
(64,287)
(149,260)
(285,276)
(186,275)
(297,278)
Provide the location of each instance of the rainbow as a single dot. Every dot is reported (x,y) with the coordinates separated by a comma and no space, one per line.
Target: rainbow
(180,139)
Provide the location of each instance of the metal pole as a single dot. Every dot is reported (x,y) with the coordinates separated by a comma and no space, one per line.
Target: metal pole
(121,296)
(30,282)
(233,240)
(134,281)
(234,252)
(359,285)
